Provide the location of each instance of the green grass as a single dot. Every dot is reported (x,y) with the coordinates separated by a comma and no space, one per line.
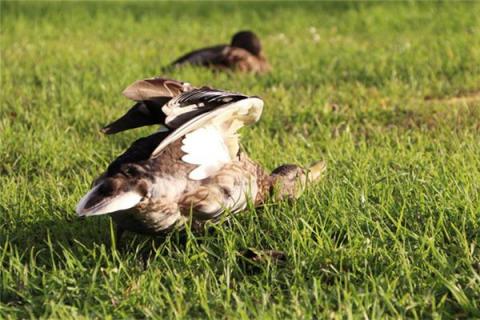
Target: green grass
(392,231)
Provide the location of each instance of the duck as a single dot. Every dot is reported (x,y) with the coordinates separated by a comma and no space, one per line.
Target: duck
(193,174)
(243,54)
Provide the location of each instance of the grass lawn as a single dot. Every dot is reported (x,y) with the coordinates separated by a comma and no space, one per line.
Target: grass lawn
(387,93)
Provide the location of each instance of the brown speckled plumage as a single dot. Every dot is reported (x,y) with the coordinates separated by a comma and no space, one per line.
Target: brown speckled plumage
(201,200)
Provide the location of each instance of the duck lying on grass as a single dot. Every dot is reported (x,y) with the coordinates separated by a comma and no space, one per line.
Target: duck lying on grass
(194,170)
(243,54)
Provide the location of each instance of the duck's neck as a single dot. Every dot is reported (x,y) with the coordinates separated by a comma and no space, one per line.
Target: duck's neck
(264,183)
(264,180)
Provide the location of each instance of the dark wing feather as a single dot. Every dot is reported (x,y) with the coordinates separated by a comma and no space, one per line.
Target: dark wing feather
(143,113)
(151,95)
(140,150)
(190,104)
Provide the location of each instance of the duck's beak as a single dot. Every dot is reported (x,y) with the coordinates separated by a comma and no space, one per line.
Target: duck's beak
(316,171)
(95,203)
(138,116)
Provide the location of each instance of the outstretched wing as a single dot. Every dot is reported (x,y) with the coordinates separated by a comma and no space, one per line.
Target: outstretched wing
(210,139)
(151,95)
(153,88)
(188,105)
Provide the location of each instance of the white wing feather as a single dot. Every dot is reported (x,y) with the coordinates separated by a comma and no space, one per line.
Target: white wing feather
(206,148)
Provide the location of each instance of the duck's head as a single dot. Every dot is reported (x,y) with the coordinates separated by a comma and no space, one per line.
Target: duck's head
(120,189)
(247,40)
(289,180)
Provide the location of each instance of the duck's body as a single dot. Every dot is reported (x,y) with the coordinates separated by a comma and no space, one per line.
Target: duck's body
(195,171)
(175,197)
(243,54)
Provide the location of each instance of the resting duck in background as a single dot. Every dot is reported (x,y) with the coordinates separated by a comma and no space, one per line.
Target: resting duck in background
(243,54)
(194,172)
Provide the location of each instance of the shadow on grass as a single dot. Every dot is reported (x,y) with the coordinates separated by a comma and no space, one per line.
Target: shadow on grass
(52,241)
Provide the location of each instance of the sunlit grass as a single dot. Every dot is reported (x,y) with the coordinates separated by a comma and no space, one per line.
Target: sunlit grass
(387,94)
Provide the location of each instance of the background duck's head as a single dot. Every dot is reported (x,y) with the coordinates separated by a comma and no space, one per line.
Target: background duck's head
(247,40)
(122,189)
(289,180)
